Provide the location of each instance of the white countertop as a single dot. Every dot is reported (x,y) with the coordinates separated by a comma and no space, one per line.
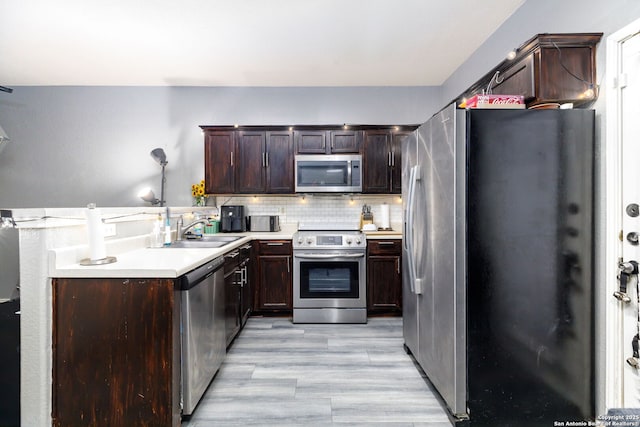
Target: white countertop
(134,260)
(383,234)
(144,262)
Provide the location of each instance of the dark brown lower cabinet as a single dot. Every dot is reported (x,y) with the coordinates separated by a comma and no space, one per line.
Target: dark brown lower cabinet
(384,277)
(274,285)
(114,353)
(232,295)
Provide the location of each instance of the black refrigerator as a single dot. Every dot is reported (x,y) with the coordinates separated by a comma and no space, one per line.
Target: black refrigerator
(497,263)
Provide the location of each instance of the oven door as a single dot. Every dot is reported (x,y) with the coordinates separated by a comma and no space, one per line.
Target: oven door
(329,280)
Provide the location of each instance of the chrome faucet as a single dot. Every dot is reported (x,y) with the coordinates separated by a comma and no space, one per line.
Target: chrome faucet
(181,230)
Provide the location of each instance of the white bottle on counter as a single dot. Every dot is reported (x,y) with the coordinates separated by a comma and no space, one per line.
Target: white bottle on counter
(157,235)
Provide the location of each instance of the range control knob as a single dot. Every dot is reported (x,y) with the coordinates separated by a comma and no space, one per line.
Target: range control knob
(300,240)
(348,240)
(358,240)
(309,240)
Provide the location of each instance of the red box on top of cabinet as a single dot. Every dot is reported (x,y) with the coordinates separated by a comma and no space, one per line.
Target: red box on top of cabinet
(495,101)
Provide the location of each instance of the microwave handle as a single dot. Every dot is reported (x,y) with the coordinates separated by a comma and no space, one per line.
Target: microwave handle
(349,177)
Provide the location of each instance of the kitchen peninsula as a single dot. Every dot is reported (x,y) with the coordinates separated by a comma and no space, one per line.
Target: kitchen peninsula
(56,240)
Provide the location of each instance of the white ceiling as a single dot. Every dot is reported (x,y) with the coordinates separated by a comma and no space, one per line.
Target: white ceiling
(242,42)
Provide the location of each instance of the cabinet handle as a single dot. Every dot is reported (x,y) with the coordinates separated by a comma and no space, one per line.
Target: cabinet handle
(398,265)
(386,243)
(248,246)
(288,261)
(389,158)
(266,156)
(275,244)
(232,158)
(393,158)
(264,162)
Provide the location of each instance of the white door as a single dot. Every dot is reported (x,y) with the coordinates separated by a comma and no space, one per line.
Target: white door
(622,381)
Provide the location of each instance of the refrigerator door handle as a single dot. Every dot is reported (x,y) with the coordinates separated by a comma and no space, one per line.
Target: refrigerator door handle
(413,180)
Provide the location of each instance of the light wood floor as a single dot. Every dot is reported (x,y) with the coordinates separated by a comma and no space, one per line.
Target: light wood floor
(280,374)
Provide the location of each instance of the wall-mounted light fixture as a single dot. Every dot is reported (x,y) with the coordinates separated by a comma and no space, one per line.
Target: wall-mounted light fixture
(147,194)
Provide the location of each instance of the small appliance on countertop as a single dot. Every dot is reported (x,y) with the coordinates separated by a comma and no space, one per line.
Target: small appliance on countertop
(263,223)
(232,219)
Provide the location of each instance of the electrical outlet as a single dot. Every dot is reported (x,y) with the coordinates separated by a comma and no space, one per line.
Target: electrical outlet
(109,230)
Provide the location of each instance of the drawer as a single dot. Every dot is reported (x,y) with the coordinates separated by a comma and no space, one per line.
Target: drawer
(384,247)
(274,247)
(231,261)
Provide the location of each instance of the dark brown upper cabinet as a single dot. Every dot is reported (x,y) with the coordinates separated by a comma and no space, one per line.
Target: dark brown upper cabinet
(265,162)
(327,141)
(219,160)
(279,162)
(260,159)
(382,160)
(248,162)
(554,68)
(250,169)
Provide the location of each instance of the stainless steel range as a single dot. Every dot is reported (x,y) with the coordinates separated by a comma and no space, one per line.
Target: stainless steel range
(329,275)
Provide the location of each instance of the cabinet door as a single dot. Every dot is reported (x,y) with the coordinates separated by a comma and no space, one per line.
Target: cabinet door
(248,282)
(113,343)
(219,153)
(384,290)
(276,291)
(279,162)
(311,141)
(250,169)
(345,141)
(517,80)
(396,161)
(377,161)
(556,83)
(232,303)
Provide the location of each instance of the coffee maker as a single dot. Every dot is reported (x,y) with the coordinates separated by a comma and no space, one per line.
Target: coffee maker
(232,219)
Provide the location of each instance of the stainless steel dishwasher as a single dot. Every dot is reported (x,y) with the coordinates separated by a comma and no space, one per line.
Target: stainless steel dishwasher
(203,338)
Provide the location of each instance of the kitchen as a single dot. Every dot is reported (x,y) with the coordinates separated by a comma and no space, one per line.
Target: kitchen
(109,131)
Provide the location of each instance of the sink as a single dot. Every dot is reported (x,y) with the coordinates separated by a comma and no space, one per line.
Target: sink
(205,242)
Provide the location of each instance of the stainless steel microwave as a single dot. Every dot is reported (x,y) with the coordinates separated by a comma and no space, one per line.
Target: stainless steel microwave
(335,173)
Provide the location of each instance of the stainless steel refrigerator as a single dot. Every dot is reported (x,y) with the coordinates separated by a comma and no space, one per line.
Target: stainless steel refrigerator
(497,263)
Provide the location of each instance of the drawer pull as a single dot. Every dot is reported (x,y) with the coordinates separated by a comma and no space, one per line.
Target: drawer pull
(275,244)
(386,243)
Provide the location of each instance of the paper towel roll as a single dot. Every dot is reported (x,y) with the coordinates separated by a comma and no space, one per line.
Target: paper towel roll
(384,217)
(95,230)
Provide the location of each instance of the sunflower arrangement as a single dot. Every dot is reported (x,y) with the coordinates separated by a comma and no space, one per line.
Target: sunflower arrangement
(198,194)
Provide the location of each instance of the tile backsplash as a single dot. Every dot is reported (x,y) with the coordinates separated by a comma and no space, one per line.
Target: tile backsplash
(314,208)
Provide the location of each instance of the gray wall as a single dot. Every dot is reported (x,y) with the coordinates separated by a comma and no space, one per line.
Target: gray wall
(76,145)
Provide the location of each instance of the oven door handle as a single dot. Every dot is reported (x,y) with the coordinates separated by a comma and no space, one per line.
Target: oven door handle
(327,256)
